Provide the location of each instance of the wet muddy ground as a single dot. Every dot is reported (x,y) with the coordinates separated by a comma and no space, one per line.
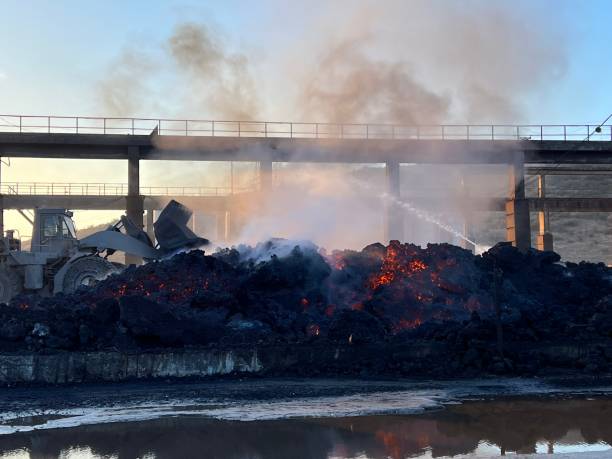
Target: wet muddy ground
(315,419)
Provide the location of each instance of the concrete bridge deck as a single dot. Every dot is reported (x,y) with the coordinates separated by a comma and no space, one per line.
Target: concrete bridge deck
(426,151)
(573,148)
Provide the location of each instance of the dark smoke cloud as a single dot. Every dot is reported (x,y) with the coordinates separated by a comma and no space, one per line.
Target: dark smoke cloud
(219,80)
(419,62)
(212,81)
(350,87)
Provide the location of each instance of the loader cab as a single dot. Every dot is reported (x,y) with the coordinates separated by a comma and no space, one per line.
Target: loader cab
(53,231)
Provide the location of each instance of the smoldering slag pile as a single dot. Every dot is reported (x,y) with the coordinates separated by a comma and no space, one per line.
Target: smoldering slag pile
(490,313)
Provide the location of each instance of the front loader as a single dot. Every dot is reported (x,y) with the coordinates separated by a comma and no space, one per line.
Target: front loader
(59,262)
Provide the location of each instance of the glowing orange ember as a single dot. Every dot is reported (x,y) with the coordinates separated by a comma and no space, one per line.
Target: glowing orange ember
(394,265)
(405,324)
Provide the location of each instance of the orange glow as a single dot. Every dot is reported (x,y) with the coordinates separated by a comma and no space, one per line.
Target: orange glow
(329,311)
(405,324)
(394,265)
(391,442)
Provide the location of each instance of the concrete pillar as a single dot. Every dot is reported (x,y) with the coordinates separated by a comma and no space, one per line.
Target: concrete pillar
(134,201)
(265,175)
(1,204)
(394,221)
(518,229)
(223,225)
(1,215)
(466,215)
(545,237)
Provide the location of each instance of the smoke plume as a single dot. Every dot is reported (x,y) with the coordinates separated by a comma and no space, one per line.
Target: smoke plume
(407,62)
(206,79)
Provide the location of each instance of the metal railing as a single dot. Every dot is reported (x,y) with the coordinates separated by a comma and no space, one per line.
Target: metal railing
(110,189)
(273,129)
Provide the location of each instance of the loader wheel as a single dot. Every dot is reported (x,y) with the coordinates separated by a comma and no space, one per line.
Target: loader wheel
(10,284)
(86,271)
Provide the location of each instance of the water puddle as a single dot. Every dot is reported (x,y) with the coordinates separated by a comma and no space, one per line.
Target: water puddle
(326,428)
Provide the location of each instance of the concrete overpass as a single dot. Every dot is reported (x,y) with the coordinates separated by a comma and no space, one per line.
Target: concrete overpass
(553,149)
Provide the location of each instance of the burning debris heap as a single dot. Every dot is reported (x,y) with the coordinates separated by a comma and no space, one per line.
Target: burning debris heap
(489,312)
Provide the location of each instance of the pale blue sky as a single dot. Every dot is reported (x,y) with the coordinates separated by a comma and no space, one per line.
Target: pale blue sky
(53,52)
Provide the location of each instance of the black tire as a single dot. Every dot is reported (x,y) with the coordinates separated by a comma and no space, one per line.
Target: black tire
(10,284)
(86,271)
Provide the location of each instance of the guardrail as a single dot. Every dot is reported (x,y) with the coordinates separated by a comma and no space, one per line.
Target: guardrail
(110,189)
(268,129)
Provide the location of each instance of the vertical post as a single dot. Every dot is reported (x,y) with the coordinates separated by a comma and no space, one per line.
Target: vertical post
(545,237)
(394,221)
(518,230)
(134,201)
(265,175)
(467,214)
(223,225)
(1,203)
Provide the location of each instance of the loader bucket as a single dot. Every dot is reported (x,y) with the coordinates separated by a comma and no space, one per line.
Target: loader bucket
(171,229)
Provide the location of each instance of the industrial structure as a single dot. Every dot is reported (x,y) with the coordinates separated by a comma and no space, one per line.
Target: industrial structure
(533,150)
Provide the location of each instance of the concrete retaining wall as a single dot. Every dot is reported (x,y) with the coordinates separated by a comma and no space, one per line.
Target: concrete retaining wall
(74,367)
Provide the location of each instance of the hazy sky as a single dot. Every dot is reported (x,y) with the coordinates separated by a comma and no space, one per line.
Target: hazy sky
(550,58)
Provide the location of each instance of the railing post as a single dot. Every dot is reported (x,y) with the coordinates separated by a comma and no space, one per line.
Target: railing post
(49,124)
(342,131)
(492,132)
(213,129)
(517,133)
(20,123)
(238,128)
(132,126)
(541,133)
(186,128)
(159,127)
(291,130)
(468,131)
(588,128)
(77,124)
(265,129)
(564,133)
(442,132)
(317,130)
(367,131)
(104,129)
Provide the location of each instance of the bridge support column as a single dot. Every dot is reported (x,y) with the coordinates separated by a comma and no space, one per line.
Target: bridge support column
(1,215)
(466,215)
(518,229)
(265,175)
(394,218)
(545,237)
(134,201)
(223,226)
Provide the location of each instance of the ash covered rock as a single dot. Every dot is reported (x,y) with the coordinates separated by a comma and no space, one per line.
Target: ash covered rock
(490,311)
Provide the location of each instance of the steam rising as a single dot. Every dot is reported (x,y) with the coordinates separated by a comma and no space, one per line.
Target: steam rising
(408,62)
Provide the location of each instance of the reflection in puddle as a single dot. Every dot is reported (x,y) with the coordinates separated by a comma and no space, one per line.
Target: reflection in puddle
(478,429)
